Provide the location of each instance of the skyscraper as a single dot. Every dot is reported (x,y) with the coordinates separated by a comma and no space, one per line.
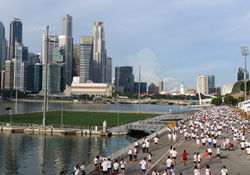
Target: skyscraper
(240,74)
(21,52)
(86,58)
(3,47)
(160,85)
(16,32)
(99,53)
(202,84)
(67,32)
(9,74)
(76,60)
(19,75)
(108,70)
(53,43)
(37,77)
(124,79)
(211,84)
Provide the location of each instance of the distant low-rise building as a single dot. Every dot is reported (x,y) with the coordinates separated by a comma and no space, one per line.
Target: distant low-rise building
(95,89)
(153,89)
(143,87)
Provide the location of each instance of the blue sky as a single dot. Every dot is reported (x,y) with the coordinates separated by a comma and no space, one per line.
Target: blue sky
(172,40)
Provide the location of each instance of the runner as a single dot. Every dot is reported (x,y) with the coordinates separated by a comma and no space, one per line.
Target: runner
(143,164)
(184,156)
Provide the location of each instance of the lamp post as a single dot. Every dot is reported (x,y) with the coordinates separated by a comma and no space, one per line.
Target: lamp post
(139,94)
(118,115)
(62,114)
(244,52)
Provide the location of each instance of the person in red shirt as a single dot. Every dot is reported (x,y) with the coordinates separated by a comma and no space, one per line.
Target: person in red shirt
(184,156)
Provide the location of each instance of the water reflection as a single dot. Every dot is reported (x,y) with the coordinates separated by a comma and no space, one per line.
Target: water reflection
(50,154)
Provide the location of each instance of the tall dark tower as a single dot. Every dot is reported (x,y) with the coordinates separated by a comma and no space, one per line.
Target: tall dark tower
(16,34)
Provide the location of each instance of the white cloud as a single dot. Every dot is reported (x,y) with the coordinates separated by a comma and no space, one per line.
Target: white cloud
(148,61)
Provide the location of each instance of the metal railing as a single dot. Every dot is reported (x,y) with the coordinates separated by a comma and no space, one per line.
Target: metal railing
(57,126)
(124,151)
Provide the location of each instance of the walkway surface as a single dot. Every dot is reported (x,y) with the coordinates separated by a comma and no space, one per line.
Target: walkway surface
(236,161)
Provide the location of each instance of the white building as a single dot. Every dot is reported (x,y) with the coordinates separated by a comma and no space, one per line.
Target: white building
(202,84)
(96,89)
(99,52)
(182,89)
(19,75)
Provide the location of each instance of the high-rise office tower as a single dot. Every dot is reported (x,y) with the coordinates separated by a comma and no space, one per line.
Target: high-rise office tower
(2,83)
(202,84)
(76,60)
(3,47)
(124,79)
(108,70)
(86,58)
(240,74)
(16,32)
(21,52)
(9,74)
(37,77)
(19,74)
(211,84)
(99,53)
(160,85)
(67,32)
(143,87)
(53,43)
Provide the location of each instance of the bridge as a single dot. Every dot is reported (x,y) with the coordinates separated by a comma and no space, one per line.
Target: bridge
(148,125)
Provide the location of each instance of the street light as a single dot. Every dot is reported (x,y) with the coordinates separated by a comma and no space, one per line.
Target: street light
(244,52)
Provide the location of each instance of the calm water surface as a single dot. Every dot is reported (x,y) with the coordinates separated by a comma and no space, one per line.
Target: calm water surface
(49,154)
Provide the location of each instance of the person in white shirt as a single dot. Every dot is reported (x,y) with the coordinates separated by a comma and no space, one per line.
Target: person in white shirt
(155,172)
(207,170)
(96,163)
(156,141)
(77,169)
(116,167)
(209,150)
(248,152)
(105,166)
(196,171)
(83,167)
(130,154)
(169,162)
(224,170)
(147,145)
(109,166)
(174,154)
(122,163)
(143,164)
(218,153)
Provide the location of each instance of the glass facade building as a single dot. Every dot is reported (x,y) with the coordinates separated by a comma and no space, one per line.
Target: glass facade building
(3,47)
(86,59)
(124,79)
(16,34)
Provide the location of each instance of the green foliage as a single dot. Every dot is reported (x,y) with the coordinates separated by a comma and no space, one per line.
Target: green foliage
(11,93)
(77,118)
(217,101)
(242,87)
(229,100)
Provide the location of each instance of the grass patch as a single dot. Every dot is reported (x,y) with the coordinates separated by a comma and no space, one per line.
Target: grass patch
(77,118)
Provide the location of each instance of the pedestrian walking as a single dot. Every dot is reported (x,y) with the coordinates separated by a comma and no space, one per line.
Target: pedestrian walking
(224,170)
(116,167)
(122,165)
(208,170)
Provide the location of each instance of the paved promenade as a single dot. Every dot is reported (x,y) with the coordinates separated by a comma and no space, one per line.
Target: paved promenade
(236,161)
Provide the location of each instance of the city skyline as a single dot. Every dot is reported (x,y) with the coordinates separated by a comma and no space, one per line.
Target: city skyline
(169,40)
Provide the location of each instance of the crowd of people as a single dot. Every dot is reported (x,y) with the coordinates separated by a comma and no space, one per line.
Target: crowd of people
(211,130)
